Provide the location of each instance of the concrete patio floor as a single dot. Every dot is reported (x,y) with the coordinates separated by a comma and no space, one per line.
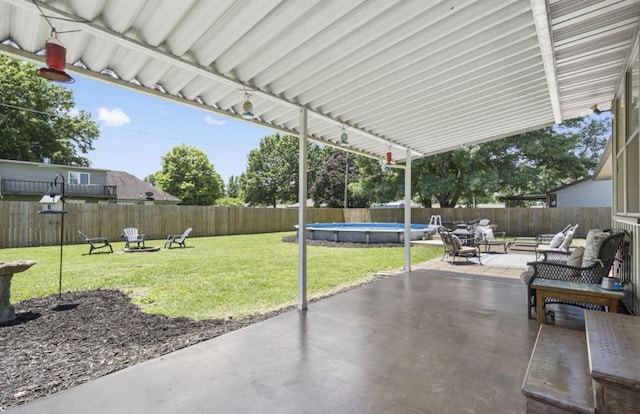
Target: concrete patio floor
(495,264)
(432,341)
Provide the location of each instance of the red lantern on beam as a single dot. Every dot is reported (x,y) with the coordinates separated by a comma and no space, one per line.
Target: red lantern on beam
(389,157)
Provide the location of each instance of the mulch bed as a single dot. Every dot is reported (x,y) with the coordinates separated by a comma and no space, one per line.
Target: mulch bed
(55,344)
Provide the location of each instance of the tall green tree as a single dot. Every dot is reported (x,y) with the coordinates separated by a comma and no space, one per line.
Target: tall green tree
(233,187)
(271,176)
(529,163)
(151,179)
(187,174)
(382,184)
(37,120)
(446,177)
(329,185)
(538,161)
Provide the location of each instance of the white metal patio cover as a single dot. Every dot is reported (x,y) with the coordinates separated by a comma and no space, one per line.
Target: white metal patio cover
(414,77)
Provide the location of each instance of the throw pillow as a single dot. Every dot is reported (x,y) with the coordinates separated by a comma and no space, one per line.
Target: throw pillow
(557,240)
(567,241)
(575,260)
(595,238)
(527,275)
(484,233)
(456,242)
(488,233)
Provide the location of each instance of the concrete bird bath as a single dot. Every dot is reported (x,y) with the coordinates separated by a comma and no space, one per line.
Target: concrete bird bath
(7,270)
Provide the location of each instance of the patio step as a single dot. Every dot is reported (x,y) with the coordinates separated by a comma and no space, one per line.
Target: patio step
(557,379)
(614,343)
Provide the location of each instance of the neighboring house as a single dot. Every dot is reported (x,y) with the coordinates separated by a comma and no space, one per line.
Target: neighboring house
(29,181)
(587,192)
(491,205)
(582,193)
(397,204)
(132,190)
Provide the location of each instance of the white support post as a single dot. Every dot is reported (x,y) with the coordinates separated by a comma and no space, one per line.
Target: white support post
(302,213)
(407,214)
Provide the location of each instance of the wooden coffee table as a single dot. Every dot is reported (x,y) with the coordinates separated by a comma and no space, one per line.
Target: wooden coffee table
(573,291)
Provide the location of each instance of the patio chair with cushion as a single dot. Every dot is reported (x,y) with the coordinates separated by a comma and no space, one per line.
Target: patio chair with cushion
(453,247)
(96,242)
(585,265)
(179,239)
(560,242)
(131,236)
(544,238)
(485,236)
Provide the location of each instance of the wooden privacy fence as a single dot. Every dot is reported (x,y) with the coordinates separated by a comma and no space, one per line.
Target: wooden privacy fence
(21,226)
(532,221)
(513,221)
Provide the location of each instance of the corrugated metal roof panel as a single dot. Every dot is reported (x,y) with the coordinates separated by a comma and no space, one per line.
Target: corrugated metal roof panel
(421,75)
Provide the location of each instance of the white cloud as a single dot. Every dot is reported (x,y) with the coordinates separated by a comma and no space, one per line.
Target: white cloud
(214,121)
(161,109)
(113,117)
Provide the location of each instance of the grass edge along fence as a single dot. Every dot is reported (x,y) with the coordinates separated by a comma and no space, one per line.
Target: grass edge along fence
(21,226)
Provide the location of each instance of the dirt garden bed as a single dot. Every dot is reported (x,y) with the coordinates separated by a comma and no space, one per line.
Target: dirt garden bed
(54,345)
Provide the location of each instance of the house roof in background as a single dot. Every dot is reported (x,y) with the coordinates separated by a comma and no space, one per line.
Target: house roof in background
(604,169)
(411,76)
(576,182)
(52,166)
(524,197)
(571,184)
(131,187)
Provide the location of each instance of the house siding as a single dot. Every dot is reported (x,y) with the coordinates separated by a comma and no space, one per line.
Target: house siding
(589,193)
(46,172)
(28,181)
(625,173)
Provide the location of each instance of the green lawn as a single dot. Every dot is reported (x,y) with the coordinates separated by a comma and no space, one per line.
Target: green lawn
(215,277)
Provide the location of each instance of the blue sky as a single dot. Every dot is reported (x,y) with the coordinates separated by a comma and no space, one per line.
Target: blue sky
(136,130)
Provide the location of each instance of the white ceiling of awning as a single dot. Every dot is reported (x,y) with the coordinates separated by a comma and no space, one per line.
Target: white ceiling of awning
(422,75)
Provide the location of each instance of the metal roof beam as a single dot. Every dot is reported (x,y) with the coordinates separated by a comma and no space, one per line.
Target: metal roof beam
(543,28)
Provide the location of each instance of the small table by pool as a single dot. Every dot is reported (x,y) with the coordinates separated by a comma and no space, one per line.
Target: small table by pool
(574,291)
(464,234)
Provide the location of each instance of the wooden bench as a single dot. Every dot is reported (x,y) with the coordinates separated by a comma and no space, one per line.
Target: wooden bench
(598,370)
(557,379)
(614,346)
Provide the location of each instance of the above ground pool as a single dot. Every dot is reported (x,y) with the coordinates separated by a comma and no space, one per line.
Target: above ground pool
(363,232)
